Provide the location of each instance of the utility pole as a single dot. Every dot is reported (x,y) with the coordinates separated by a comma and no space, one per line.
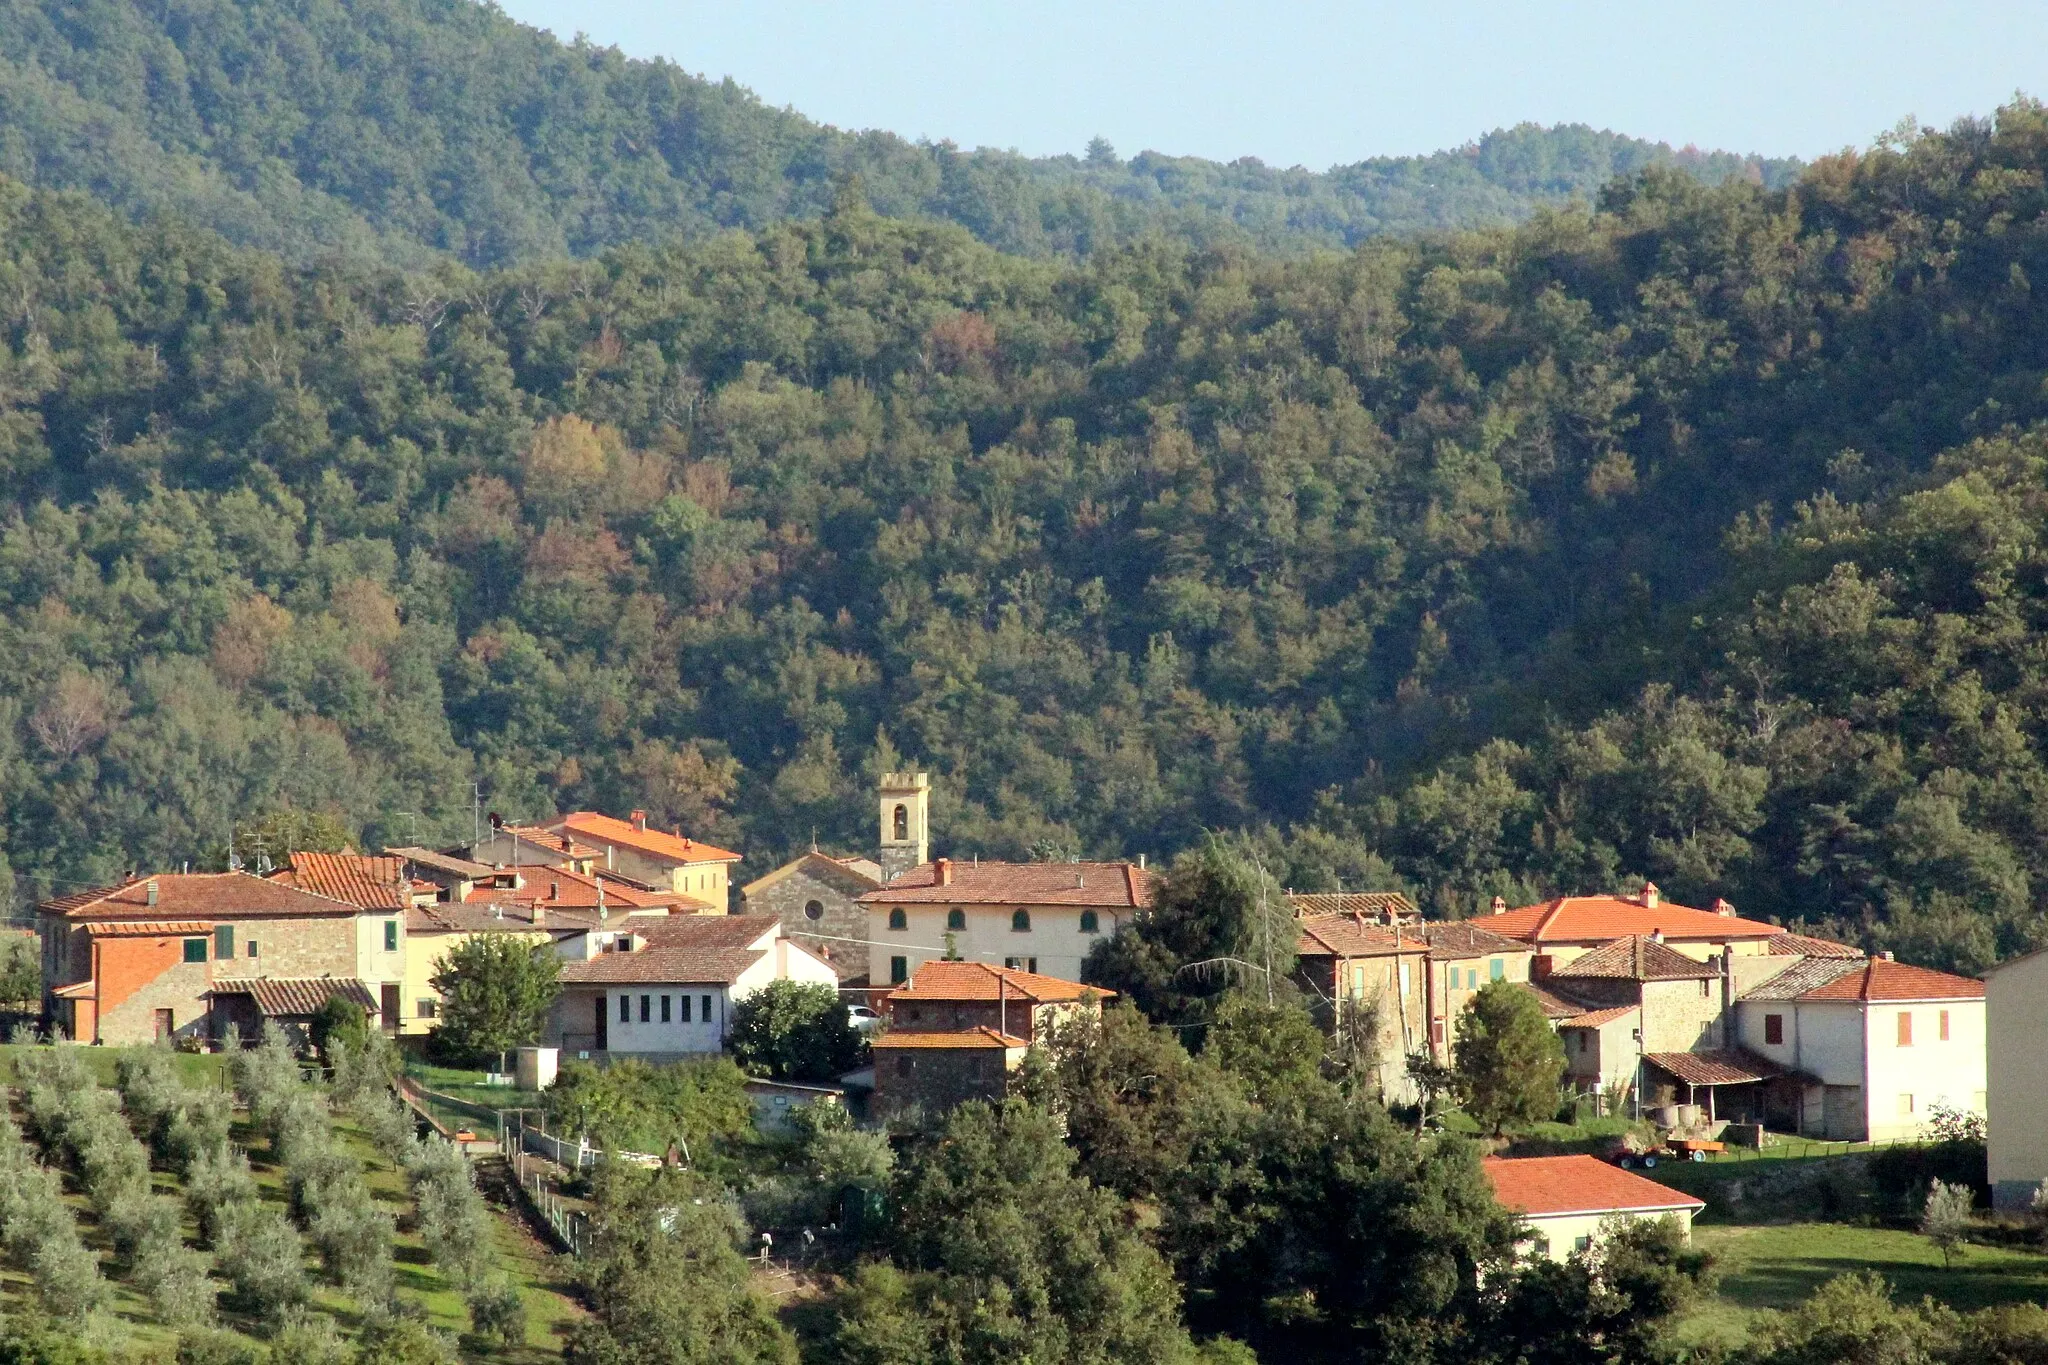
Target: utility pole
(476,815)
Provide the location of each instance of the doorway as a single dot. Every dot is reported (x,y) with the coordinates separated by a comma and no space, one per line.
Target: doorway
(166,1026)
(387,1005)
(604,1021)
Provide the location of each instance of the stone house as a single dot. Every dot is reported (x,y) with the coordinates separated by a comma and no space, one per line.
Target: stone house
(920,1076)
(817,899)
(178,954)
(377,886)
(1463,958)
(1371,984)
(945,996)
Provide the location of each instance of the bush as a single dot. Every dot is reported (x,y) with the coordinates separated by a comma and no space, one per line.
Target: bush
(208,1347)
(452,1219)
(263,1257)
(174,1276)
(795,1030)
(397,1339)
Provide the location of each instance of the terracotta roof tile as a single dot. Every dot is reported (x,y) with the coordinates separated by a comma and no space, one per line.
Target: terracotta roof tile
(1115,885)
(1343,936)
(449,863)
(1452,940)
(1635,958)
(664,966)
(1601,919)
(195,895)
(1736,1067)
(1373,904)
(943,980)
(148,928)
(604,829)
(1595,1018)
(1555,1006)
(295,998)
(1801,977)
(1880,980)
(1802,945)
(1545,1186)
(983,1037)
(565,889)
(372,881)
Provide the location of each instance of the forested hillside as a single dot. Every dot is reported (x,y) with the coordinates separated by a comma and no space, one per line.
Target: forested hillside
(396,129)
(1699,537)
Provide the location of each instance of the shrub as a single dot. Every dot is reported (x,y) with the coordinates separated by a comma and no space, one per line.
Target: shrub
(210,1347)
(216,1180)
(174,1276)
(262,1255)
(399,1339)
(308,1339)
(354,1241)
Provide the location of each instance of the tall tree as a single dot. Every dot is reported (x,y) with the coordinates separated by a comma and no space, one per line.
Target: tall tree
(1508,1058)
(496,991)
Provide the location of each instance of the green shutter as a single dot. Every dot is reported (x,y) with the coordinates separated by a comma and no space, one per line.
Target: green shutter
(195,950)
(223,941)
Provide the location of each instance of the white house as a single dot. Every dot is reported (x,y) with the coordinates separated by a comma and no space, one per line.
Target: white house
(1565,1199)
(1031,917)
(1870,1046)
(666,987)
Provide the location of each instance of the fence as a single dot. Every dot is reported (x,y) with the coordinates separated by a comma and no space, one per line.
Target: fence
(1795,1149)
(571,1227)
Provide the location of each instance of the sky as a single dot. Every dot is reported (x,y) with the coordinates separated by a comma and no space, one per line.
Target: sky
(1319,84)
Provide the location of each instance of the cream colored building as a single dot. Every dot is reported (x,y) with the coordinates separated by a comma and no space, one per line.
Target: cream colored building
(2016,1022)
(665,861)
(1569,927)
(1568,1203)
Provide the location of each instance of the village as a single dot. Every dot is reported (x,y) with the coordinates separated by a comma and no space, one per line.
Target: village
(1714,1034)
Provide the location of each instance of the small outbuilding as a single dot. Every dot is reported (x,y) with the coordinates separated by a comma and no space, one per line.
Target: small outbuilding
(1565,1199)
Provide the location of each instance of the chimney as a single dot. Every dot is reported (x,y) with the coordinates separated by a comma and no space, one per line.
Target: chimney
(1540,967)
(149,891)
(1500,905)
(687,846)
(1656,936)
(540,916)
(1885,956)
(1723,908)
(942,871)
(1649,896)
(640,820)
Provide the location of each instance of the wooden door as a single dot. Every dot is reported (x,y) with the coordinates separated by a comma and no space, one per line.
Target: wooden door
(387,1005)
(166,1026)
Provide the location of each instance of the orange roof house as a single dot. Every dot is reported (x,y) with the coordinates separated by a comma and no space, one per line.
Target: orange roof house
(951,996)
(1570,925)
(1564,1200)
(673,861)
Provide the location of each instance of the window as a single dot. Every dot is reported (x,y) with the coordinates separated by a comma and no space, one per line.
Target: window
(1905,1106)
(1905,1028)
(1496,970)
(898,920)
(252,947)
(426,1009)
(1774,1028)
(1540,1245)
(390,935)
(705,1001)
(903,1066)
(901,821)
(956,919)
(814,909)
(625,1009)
(686,1008)
(646,1001)
(664,1008)
(1472,979)
(1582,1244)
(1021,964)
(1090,924)
(1403,973)
(1944,1026)
(899,968)
(224,942)
(195,950)
(1020,921)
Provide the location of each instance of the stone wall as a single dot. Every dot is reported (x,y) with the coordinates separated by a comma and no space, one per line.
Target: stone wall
(927,1083)
(299,946)
(839,931)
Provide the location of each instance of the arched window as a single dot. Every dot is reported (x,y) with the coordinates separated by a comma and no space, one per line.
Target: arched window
(898,920)
(1089,923)
(902,821)
(814,909)
(956,919)
(1020,921)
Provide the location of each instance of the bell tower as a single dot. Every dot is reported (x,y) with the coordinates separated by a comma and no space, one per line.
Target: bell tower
(905,808)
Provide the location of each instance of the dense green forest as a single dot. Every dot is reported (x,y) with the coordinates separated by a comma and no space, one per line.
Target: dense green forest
(1696,536)
(397,129)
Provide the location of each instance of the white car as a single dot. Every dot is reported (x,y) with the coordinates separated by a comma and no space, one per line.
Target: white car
(862,1018)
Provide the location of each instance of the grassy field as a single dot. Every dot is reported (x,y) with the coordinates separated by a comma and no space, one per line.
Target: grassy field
(1778,1265)
(130,1325)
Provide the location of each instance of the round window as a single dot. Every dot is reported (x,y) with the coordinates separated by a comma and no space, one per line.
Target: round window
(814,910)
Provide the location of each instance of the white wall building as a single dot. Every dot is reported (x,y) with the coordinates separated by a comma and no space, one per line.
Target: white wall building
(1872,1046)
(667,987)
(1564,1200)
(2016,1128)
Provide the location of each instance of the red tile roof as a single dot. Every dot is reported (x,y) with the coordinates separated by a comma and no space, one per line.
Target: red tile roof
(372,881)
(1595,1018)
(949,981)
(562,888)
(1372,904)
(1891,981)
(604,829)
(1551,1186)
(1454,940)
(1635,958)
(683,949)
(983,1037)
(1114,885)
(1555,1007)
(195,895)
(1802,945)
(450,863)
(1343,936)
(294,998)
(1736,1067)
(1602,919)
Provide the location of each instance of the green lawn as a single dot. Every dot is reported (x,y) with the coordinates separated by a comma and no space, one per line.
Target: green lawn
(200,1070)
(1778,1265)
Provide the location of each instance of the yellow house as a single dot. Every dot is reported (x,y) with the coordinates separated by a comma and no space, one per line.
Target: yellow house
(633,849)
(434,931)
